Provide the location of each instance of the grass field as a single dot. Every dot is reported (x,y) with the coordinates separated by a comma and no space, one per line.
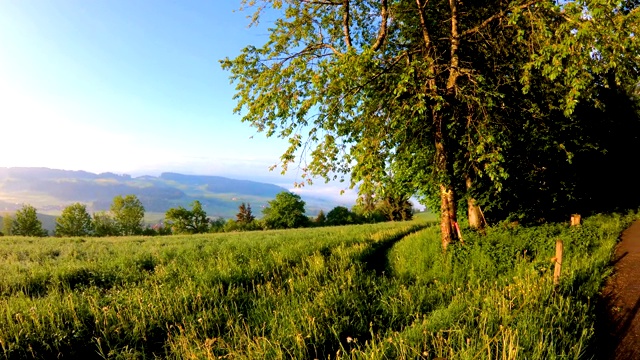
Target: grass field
(383,291)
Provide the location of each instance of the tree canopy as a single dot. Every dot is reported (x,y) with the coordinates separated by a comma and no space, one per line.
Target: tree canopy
(26,222)
(431,98)
(286,211)
(183,221)
(104,224)
(128,214)
(7,224)
(74,221)
(340,215)
(244,215)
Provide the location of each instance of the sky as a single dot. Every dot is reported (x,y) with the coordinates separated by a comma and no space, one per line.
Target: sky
(130,86)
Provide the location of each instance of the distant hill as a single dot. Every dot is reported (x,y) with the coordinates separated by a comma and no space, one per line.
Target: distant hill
(51,190)
(221,185)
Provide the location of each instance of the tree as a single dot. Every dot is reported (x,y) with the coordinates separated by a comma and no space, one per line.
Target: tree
(366,209)
(321,219)
(128,214)
(285,211)
(340,215)
(7,225)
(104,225)
(579,87)
(244,215)
(74,221)
(217,225)
(183,221)
(421,91)
(26,223)
(156,230)
(231,226)
(396,208)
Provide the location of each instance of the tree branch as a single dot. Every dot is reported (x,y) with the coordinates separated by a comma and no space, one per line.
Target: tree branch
(496,16)
(309,49)
(345,23)
(382,34)
(423,25)
(320,2)
(455,43)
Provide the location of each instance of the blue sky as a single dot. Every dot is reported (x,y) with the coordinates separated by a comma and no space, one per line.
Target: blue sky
(129,86)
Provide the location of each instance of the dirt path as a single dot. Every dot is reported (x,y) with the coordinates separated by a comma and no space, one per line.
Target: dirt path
(619,336)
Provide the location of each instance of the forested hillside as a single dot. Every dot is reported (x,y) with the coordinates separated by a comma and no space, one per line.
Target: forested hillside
(51,190)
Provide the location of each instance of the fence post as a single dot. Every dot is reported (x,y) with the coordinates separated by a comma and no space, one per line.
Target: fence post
(558,261)
(576,220)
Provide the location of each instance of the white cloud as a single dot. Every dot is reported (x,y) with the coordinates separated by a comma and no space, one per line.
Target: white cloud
(334,192)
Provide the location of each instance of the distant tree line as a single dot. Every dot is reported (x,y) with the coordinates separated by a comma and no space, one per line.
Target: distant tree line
(286,211)
(25,222)
(126,218)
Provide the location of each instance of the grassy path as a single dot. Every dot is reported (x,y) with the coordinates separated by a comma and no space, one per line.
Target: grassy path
(621,326)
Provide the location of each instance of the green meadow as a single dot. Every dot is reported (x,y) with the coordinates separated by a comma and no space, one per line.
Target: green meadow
(383,291)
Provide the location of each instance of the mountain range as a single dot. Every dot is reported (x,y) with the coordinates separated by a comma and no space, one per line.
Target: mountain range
(51,190)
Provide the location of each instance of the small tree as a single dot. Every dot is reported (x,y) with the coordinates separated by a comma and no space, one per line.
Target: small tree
(27,223)
(340,215)
(285,211)
(155,230)
(244,216)
(200,219)
(320,219)
(74,221)
(7,224)
(128,214)
(161,229)
(104,225)
(396,208)
(183,221)
(367,211)
(230,226)
(217,225)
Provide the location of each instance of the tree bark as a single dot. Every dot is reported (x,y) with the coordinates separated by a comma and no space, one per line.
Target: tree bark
(443,168)
(447,216)
(448,221)
(447,194)
(476,220)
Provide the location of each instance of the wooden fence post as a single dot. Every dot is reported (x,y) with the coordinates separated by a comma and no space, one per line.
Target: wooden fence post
(558,261)
(576,220)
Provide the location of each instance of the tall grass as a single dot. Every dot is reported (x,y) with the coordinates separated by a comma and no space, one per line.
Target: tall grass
(369,291)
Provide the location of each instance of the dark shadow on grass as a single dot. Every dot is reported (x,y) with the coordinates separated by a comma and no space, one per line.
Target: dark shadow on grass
(358,330)
(376,257)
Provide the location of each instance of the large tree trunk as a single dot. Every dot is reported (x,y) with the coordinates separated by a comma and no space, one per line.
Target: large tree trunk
(449,221)
(448,211)
(476,220)
(447,216)
(444,170)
